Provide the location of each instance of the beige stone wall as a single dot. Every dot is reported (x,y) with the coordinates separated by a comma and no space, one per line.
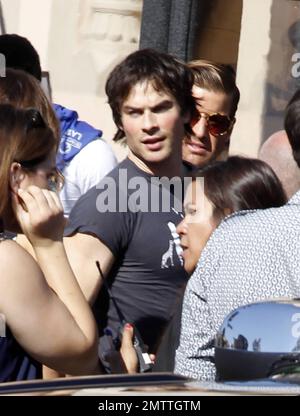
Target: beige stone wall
(79,42)
(220,32)
(11,13)
(263,71)
(84,48)
(29,19)
(252,75)
(283,75)
(255,36)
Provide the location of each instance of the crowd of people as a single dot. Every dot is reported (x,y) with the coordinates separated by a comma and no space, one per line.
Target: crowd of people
(164,244)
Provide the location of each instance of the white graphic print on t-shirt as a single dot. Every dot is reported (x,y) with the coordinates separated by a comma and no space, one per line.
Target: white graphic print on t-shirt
(167,258)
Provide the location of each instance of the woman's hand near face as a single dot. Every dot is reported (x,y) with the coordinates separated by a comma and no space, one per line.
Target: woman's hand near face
(40,215)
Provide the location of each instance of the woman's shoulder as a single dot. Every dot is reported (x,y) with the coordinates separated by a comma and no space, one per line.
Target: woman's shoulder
(15,262)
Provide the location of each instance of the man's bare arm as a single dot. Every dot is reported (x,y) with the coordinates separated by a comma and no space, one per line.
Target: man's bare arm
(83,250)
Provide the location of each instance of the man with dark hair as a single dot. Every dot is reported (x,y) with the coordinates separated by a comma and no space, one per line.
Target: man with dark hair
(252,256)
(83,157)
(217,96)
(143,66)
(137,246)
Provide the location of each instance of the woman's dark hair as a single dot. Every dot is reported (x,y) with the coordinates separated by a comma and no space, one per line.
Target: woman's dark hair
(241,183)
(165,73)
(23,91)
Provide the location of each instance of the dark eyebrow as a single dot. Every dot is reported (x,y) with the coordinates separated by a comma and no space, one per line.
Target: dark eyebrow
(130,108)
(163,104)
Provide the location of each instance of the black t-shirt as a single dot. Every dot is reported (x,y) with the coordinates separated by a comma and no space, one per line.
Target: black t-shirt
(148,274)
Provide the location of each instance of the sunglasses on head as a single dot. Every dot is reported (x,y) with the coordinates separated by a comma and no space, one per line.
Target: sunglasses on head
(217,124)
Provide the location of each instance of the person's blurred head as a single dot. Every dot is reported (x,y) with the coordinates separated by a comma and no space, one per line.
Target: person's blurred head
(277,152)
(27,156)
(217,97)
(229,186)
(20,54)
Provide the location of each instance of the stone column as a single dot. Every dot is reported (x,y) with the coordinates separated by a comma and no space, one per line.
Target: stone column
(79,43)
(34,24)
(269,40)
(252,69)
(86,41)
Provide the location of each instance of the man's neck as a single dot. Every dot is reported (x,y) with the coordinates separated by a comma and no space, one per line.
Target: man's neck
(168,168)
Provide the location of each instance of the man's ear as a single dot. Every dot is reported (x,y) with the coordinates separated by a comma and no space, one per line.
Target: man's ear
(16,176)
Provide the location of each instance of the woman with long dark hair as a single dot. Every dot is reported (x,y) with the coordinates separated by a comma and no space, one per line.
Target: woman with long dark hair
(237,184)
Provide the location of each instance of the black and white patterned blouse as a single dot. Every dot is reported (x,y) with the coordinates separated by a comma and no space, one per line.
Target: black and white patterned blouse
(251,256)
